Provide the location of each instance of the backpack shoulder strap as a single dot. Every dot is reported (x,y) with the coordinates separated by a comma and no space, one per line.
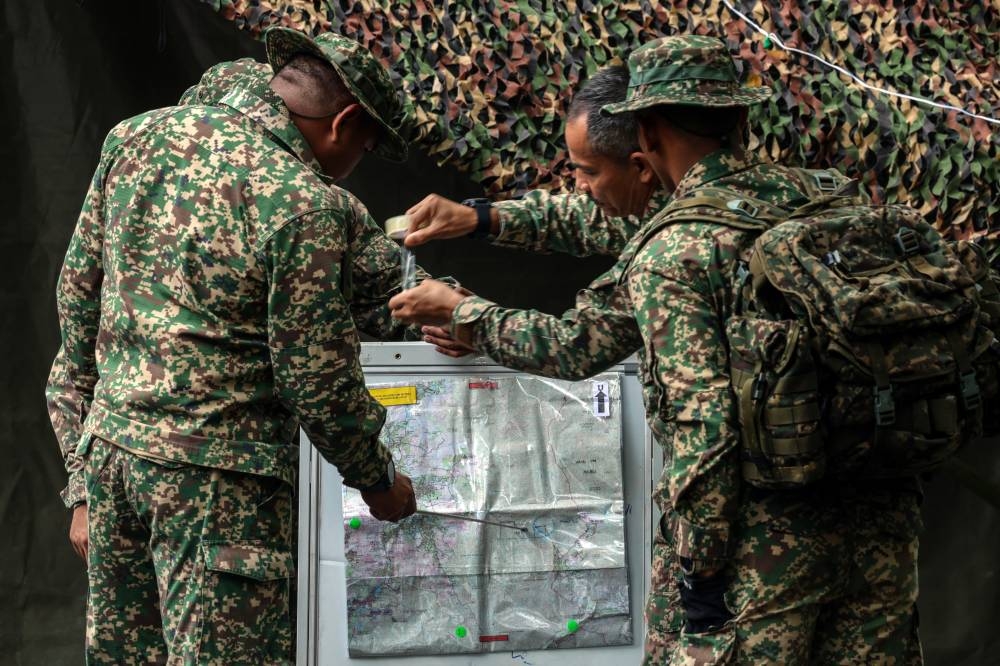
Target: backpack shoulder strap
(717,205)
(737,210)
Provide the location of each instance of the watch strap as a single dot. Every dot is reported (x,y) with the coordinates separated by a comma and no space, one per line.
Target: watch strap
(483,223)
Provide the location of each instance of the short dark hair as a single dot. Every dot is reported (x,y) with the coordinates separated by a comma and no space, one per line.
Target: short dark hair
(711,122)
(614,136)
(319,90)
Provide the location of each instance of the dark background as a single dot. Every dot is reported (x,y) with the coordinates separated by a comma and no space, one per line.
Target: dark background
(69,71)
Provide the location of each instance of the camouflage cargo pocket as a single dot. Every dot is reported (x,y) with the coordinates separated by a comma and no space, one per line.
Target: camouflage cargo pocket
(246,598)
(97,455)
(776,385)
(717,648)
(664,615)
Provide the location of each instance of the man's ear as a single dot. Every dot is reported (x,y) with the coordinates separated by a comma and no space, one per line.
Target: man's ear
(638,161)
(649,137)
(345,118)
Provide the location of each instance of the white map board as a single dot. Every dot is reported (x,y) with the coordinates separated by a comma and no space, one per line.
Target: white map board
(564,582)
(534,458)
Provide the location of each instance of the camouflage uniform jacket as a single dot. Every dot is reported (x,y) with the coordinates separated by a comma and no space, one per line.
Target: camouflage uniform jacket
(539,221)
(681,288)
(599,332)
(570,223)
(202,299)
(221,79)
(373,252)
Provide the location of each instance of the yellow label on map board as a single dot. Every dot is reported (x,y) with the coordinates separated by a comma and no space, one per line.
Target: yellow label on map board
(395,395)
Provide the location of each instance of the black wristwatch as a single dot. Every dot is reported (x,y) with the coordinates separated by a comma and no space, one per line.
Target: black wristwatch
(482,207)
(385,481)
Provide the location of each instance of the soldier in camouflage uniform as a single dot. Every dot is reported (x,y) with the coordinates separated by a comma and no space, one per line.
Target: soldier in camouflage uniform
(206,306)
(614,199)
(616,193)
(825,574)
(374,254)
(616,190)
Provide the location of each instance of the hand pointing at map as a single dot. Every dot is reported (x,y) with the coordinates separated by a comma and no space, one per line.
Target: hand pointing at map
(393,504)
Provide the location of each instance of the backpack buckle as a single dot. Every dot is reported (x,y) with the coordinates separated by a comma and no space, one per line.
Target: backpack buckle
(758,388)
(744,207)
(907,241)
(969,388)
(825,182)
(742,273)
(885,406)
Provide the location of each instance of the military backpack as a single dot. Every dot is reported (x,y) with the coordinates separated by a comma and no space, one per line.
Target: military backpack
(862,344)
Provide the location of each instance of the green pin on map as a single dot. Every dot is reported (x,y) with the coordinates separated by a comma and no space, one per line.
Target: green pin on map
(572,626)
(355,523)
(461,631)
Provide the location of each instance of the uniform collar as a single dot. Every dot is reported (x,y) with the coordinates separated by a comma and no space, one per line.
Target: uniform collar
(716,165)
(264,107)
(658,200)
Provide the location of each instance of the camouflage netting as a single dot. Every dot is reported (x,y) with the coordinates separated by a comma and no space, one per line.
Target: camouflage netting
(490,79)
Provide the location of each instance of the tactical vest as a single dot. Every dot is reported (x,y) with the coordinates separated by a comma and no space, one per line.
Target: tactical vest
(862,345)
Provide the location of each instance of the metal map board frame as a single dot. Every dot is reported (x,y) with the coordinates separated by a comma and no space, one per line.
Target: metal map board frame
(322,638)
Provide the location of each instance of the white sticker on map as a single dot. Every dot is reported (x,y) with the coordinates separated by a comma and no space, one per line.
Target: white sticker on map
(602,398)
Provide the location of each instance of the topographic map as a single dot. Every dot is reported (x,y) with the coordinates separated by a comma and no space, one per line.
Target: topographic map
(540,457)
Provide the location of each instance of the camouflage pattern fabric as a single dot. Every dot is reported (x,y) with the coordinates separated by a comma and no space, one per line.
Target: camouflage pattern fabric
(595,335)
(823,577)
(187,565)
(202,299)
(224,77)
(660,72)
(664,614)
(573,224)
(490,82)
(374,254)
(681,286)
(586,340)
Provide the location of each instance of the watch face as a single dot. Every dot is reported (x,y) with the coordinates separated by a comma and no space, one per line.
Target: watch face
(390,472)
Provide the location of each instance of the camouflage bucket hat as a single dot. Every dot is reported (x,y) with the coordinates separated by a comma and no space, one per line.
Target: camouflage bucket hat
(366,78)
(692,70)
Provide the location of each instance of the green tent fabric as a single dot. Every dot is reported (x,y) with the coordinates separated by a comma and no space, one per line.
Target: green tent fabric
(490,78)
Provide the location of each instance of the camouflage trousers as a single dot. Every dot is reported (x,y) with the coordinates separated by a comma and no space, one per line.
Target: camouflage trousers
(825,577)
(187,565)
(664,615)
